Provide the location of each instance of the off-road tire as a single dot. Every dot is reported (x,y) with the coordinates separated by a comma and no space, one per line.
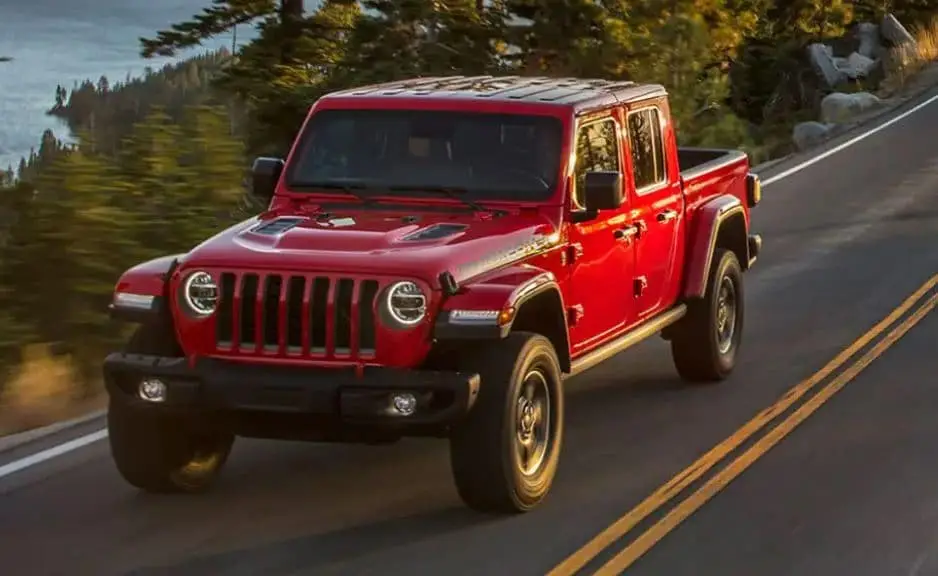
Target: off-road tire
(164,452)
(695,345)
(483,448)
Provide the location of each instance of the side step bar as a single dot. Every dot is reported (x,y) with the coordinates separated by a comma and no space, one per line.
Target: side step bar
(627,340)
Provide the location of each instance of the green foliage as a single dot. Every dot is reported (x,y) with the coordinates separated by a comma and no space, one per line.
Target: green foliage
(80,217)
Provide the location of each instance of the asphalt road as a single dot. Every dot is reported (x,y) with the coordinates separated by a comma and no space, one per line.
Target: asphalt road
(853,490)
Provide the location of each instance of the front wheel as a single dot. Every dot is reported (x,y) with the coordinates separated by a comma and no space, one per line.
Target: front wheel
(163,452)
(706,342)
(504,456)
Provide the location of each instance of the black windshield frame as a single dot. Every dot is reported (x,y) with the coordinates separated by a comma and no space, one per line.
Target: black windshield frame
(542,153)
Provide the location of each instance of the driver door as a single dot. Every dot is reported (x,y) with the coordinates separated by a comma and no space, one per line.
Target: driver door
(603,265)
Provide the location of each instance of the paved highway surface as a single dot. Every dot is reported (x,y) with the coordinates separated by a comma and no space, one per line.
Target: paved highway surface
(853,490)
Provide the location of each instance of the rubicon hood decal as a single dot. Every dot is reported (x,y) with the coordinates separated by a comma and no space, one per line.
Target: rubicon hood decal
(505,256)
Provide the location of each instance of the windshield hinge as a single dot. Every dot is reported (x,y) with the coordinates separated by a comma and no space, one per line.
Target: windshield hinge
(571,253)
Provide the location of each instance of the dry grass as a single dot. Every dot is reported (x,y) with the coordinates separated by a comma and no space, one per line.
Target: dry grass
(904,62)
(42,391)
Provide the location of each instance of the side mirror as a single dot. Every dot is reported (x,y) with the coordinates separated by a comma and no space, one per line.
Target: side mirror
(602,191)
(265,173)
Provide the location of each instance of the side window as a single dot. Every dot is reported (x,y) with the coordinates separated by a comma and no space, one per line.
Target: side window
(597,149)
(647,148)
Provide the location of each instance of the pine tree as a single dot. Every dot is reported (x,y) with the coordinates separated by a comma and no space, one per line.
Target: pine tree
(559,37)
(279,93)
(101,244)
(221,16)
(213,174)
(150,161)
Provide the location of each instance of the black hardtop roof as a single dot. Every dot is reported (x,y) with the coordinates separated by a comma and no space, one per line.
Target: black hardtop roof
(579,93)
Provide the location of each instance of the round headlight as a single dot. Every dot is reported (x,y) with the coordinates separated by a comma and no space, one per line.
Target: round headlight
(406,303)
(200,293)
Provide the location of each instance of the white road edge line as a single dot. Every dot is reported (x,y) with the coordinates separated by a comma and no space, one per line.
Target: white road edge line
(50,453)
(82,441)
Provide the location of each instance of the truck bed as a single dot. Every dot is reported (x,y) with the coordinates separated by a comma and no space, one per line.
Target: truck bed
(696,162)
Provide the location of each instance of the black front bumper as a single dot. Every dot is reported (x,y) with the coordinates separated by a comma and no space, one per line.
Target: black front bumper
(333,393)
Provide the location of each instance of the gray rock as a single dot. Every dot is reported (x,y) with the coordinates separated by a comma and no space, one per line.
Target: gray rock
(824,64)
(870,44)
(838,108)
(809,134)
(895,32)
(857,66)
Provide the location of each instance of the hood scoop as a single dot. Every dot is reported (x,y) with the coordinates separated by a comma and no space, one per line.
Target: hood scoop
(277,226)
(435,232)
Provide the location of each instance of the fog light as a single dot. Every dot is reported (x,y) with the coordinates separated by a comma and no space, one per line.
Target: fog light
(404,403)
(152,390)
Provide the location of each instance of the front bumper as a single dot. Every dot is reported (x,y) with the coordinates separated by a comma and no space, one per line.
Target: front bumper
(338,394)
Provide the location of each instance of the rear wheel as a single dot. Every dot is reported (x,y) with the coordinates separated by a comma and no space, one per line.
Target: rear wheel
(705,344)
(162,452)
(504,455)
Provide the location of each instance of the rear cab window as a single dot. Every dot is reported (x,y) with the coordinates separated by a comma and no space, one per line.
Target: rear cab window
(646,149)
(597,150)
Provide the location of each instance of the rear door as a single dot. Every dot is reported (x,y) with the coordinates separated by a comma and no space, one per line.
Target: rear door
(600,302)
(658,204)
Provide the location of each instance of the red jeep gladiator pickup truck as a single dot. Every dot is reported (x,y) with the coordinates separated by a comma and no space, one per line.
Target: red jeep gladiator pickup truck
(437,256)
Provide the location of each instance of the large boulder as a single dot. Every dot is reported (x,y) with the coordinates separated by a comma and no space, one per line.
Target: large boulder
(822,60)
(857,66)
(895,32)
(809,134)
(870,44)
(838,108)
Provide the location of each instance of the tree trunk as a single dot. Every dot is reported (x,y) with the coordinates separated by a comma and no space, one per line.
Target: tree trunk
(291,22)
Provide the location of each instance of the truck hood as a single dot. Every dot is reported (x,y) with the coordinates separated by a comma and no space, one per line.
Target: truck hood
(381,241)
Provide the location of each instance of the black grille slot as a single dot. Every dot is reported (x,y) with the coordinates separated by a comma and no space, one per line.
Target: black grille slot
(317,313)
(366,316)
(271,321)
(343,315)
(295,313)
(224,323)
(248,328)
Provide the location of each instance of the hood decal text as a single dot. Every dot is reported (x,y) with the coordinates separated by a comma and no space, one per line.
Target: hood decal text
(505,256)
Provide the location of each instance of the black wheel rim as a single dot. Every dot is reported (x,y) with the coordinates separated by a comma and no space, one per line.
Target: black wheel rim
(532,422)
(726,315)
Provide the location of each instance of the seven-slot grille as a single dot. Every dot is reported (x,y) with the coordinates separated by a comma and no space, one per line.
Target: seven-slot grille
(297,315)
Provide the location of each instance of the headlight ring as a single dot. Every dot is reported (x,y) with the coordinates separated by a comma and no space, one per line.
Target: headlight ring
(200,293)
(405,303)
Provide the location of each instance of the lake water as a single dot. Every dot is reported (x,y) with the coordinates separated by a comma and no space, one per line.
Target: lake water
(67,41)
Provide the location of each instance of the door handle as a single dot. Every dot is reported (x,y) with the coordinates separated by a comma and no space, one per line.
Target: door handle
(628,232)
(666,216)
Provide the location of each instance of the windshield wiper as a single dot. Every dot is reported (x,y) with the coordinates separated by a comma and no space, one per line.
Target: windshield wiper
(363,192)
(451,192)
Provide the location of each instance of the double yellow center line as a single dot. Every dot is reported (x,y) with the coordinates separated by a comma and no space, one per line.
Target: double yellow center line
(926,301)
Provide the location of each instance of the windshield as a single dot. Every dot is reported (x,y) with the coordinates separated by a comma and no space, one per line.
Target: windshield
(486,156)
